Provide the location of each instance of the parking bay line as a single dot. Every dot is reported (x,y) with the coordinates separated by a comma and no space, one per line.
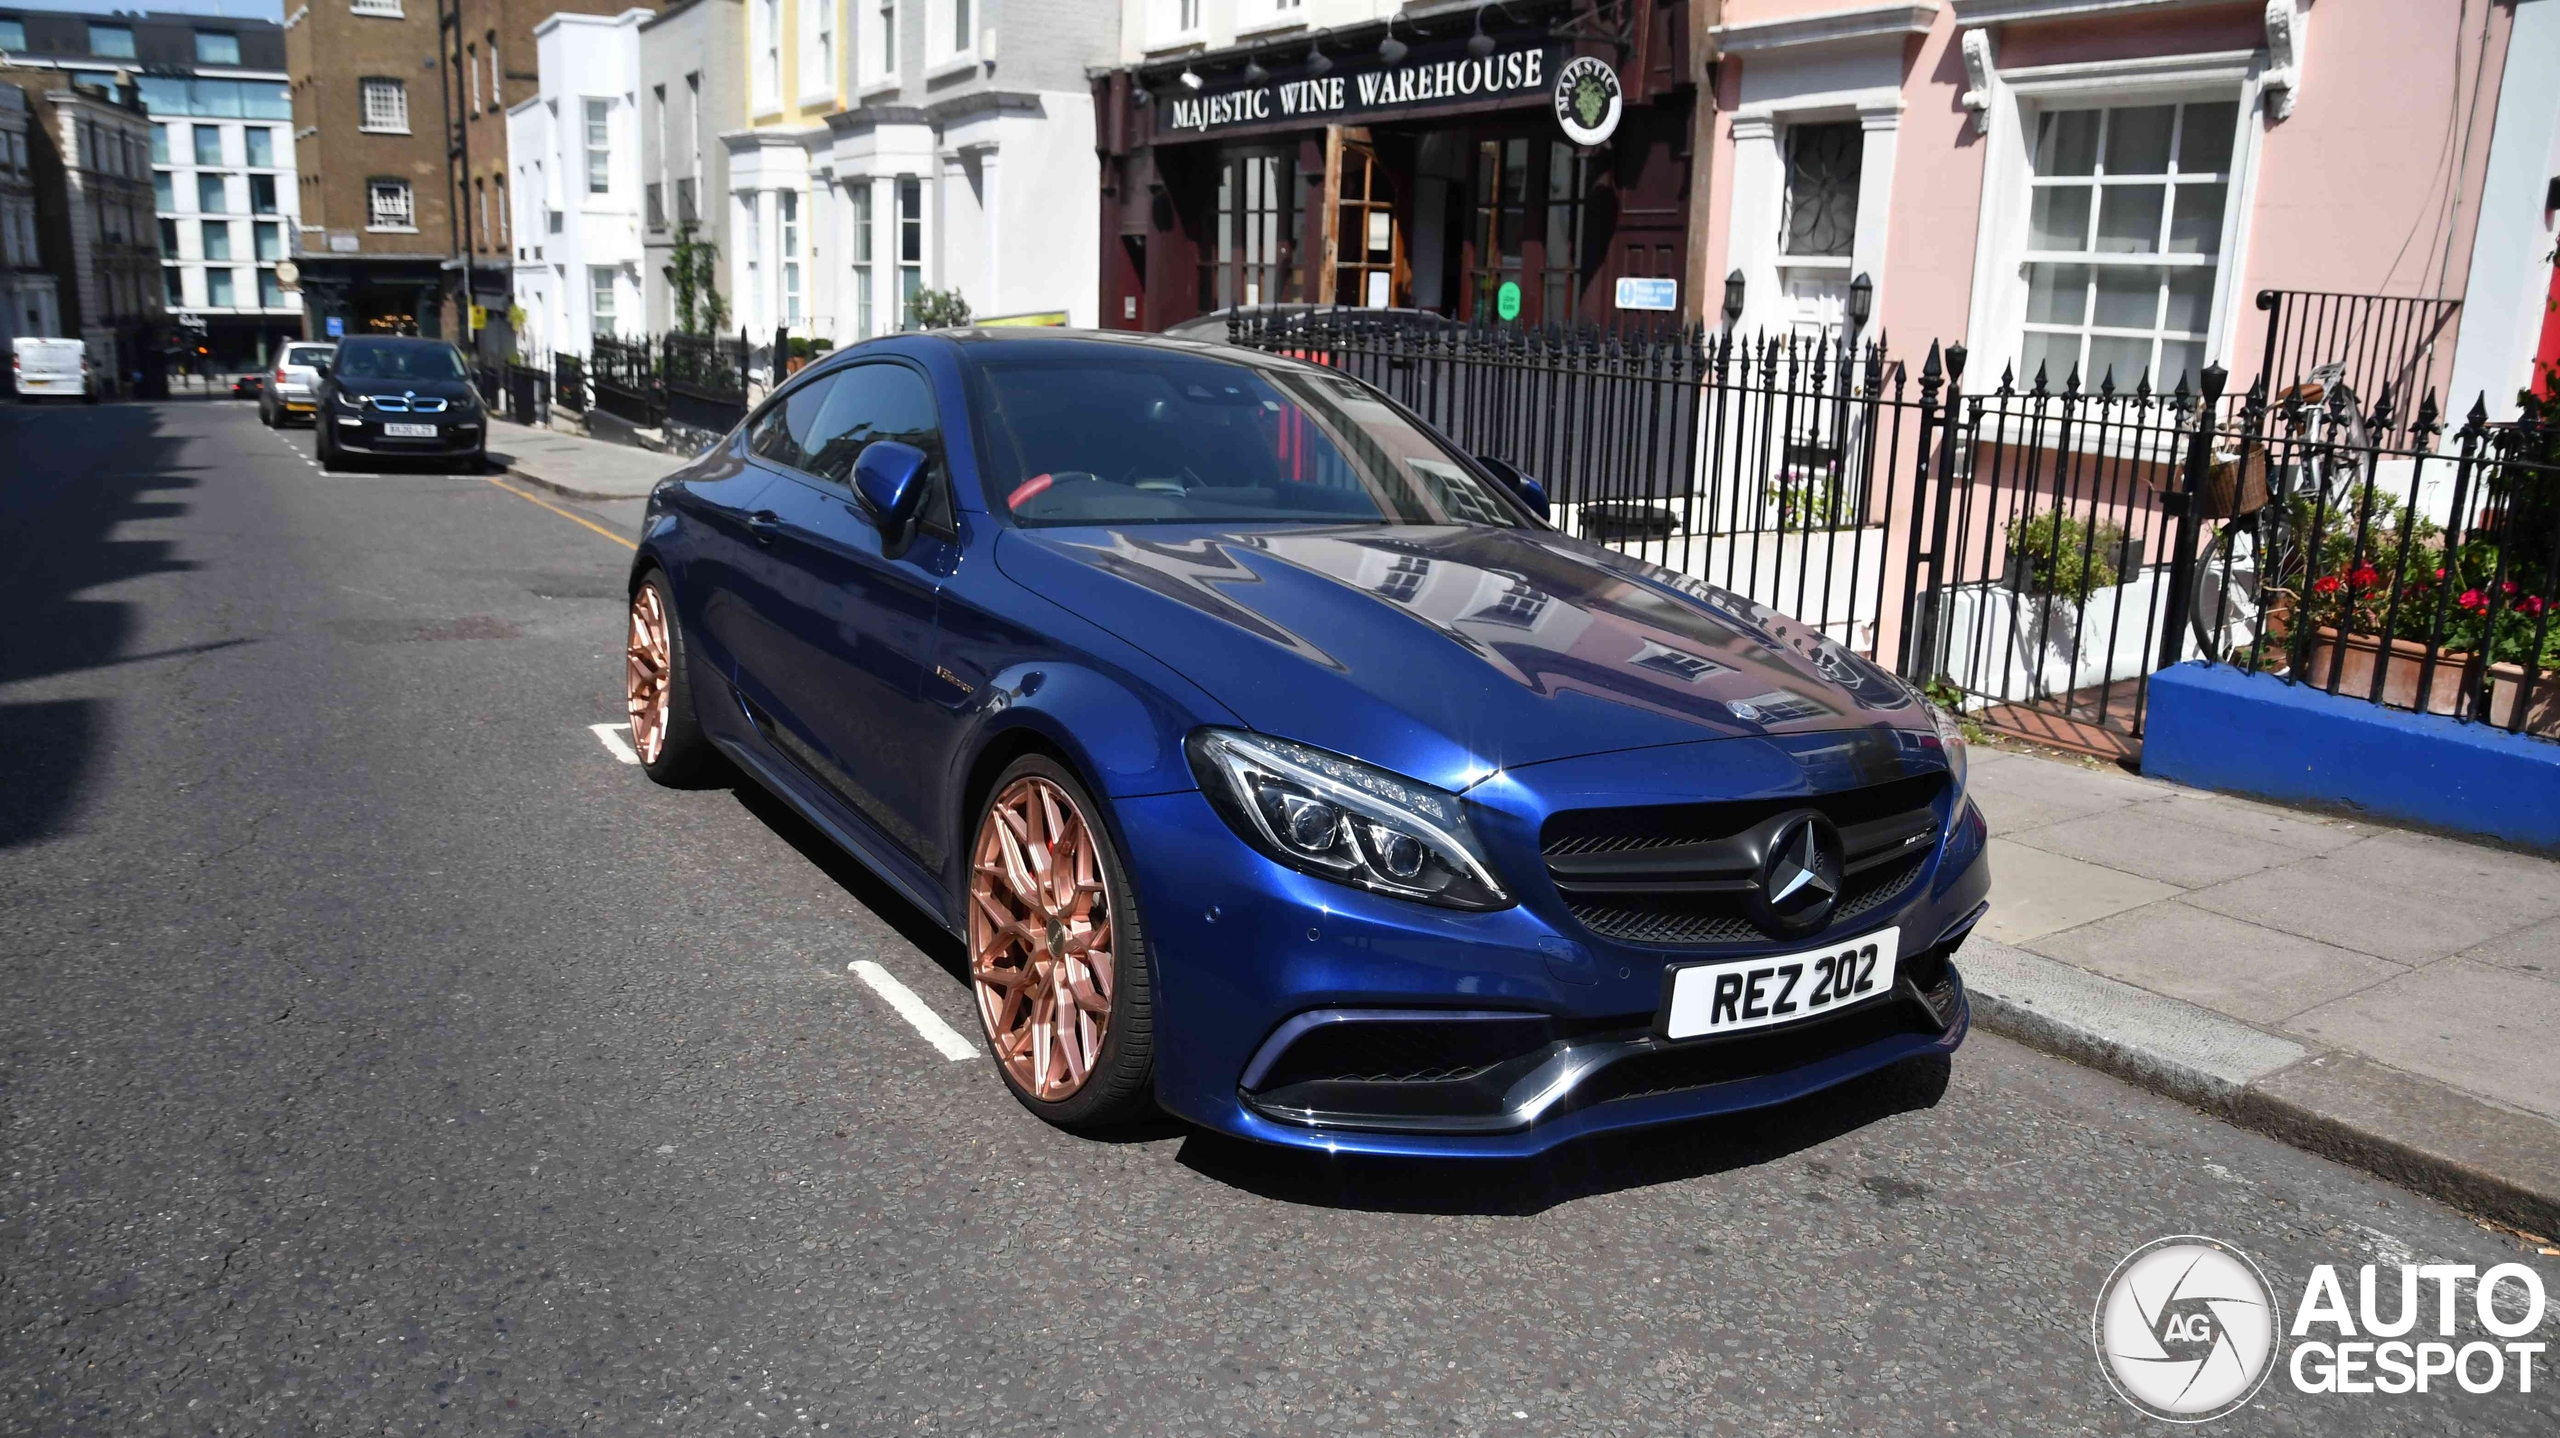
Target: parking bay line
(610,736)
(564,514)
(925,1021)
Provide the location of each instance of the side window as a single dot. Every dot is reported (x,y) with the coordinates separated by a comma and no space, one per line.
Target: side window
(789,433)
(875,402)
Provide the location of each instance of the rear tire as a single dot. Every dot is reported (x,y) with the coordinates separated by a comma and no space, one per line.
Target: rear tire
(331,459)
(1042,858)
(657,688)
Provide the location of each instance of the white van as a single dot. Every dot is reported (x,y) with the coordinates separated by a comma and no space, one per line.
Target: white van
(41,368)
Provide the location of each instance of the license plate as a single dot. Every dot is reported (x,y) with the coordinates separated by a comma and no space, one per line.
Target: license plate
(409,431)
(1741,994)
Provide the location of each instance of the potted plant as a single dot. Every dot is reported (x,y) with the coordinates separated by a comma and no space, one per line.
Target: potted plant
(2353,626)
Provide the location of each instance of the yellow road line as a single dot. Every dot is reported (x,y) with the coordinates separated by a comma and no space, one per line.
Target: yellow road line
(564,514)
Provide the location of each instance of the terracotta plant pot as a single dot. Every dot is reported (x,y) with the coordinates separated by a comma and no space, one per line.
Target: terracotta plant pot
(2507,686)
(2401,667)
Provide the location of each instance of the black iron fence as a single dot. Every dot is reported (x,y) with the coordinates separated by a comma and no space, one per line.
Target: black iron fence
(706,380)
(2363,341)
(622,378)
(2036,546)
(569,382)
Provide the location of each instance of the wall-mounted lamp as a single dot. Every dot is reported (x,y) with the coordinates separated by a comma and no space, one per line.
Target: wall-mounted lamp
(1391,50)
(1254,74)
(1480,44)
(1862,300)
(1733,297)
(1318,62)
(1142,97)
(1190,78)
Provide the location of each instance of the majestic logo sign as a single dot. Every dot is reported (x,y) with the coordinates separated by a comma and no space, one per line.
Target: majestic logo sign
(1588,100)
(1436,73)
(2186,1329)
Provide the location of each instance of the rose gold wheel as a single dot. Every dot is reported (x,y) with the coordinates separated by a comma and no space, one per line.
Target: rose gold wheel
(645,673)
(1040,940)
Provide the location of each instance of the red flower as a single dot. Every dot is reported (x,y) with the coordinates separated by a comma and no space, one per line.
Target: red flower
(2530,604)
(2327,584)
(2473,599)
(2507,588)
(2439,571)
(2364,577)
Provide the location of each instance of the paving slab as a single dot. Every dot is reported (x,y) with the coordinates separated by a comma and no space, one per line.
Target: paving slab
(2145,839)
(2264,976)
(2265,823)
(2352,912)
(577,468)
(2481,1029)
(2034,893)
(2178,1048)
(2533,949)
(2471,877)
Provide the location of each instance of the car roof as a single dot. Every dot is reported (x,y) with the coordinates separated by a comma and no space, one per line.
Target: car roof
(1009,341)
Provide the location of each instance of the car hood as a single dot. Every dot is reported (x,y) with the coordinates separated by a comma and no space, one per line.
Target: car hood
(1449,652)
(454,390)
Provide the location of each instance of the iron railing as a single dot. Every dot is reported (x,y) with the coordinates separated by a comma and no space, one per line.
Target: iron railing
(623,376)
(2367,341)
(569,382)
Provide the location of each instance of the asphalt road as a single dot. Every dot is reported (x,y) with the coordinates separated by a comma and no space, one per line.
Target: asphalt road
(382,1054)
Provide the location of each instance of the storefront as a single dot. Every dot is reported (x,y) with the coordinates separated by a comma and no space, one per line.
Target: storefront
(1515,173)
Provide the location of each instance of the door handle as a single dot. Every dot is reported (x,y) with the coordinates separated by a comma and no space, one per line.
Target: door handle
(763,525)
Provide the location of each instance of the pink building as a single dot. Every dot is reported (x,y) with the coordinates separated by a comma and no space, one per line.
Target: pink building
(2109,184)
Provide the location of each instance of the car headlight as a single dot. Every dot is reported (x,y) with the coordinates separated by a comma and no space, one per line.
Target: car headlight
(1951,739)
(350,406)
(1345,821)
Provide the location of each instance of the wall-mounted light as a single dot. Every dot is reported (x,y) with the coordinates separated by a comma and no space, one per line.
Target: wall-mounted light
(1862,300)
(1190,78)
(1733,297)
(1318,62)
(1254,74)
(1480,44)
(1391,50)
(1142,97)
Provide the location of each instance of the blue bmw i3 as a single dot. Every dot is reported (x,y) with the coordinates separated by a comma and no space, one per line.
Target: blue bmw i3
(1282,767)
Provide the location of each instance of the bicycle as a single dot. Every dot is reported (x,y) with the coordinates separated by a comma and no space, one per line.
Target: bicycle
(2261,556)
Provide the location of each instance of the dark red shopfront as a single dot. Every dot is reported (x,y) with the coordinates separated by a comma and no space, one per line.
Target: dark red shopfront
(1434,176)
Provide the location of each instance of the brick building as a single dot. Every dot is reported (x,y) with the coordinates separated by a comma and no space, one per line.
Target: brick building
(376,229)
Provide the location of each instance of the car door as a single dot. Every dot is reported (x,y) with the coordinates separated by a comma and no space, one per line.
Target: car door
(846,628)
(717,559)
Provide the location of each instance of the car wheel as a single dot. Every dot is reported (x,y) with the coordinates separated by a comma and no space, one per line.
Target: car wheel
(657,688)
(330,458)
(1057,954)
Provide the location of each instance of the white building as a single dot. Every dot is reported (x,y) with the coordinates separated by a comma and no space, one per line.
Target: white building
(29,305)
(575,150)
(222,158)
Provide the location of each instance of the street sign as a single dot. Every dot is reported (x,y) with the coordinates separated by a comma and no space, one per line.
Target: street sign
(479,317)
(337,326)
(1506,300)
(1639,294)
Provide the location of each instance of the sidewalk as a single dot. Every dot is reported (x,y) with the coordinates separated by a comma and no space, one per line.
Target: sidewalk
(577,468)
(2390,999)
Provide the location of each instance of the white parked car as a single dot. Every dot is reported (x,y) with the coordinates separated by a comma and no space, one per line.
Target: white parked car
(292,390)
(44,368)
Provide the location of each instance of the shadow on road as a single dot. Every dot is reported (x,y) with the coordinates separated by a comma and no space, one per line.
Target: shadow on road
(1606,1164)
(74,474)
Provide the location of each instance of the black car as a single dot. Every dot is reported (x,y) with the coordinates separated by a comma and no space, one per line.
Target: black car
(400,399)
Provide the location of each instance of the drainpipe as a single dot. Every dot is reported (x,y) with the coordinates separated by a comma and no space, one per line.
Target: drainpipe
(1704,16)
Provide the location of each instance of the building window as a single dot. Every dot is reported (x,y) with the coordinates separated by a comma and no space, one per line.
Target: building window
(960,39)
(1824,163)
(1253,224)
(160,144)
(387,205)
(1186,16)
(270,291)
(817,48)
(375,7)
(2126,212)
(208,144)
(209,195)
(787,203)
(169,239)
(765,46)
(13,35)
(270,241)
(600,299)
(386,106)
(1568,181)
(261,145)
(497,96)
(217,47)
(861,197)
(173,287)
(910,247)
(884,35)
(217,289)
(113,42)
(164,187)
(217,239)
(599,147)
(262,194)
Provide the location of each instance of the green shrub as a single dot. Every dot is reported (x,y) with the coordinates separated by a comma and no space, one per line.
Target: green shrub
(2065,556)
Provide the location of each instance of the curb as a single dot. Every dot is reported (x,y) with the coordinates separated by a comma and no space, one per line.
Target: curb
(566,491)
(2415,1132)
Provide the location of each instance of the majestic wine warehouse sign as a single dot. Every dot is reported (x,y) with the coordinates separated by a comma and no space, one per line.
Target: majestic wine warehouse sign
(1360,86)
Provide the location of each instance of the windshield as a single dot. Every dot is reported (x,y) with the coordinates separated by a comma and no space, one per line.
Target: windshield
(1138,437)
(381,361)
(306,355)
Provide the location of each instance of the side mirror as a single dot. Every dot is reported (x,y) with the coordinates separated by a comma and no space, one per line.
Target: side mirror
(322,368)
(890,479)
(1529,491)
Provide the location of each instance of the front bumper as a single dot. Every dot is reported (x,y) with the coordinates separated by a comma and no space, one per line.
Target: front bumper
(1250,957)
(362,434)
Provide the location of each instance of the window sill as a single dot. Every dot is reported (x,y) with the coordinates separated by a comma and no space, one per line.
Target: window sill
(1816,262)
(379,130)
(964,63)
(391,229)
(1270,25)
(1176,44)
(879,85)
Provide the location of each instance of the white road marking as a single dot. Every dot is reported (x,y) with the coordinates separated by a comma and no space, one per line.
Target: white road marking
(610,736)
(928,1023)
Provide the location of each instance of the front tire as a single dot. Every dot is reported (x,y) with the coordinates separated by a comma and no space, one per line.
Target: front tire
(331,459)
(657,688)
(1057,953)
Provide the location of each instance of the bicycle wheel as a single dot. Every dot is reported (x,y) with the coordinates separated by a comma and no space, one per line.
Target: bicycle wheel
(2226,597)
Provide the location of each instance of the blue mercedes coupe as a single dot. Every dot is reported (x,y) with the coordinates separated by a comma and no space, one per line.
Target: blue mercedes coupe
(1282,766)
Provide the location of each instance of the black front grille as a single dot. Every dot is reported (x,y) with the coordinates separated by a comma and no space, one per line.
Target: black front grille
(1688,1066)
(1671,891)
(1421,1049)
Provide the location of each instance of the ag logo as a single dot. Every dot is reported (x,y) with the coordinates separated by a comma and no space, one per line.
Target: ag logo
(1588,100)
(2186,1329)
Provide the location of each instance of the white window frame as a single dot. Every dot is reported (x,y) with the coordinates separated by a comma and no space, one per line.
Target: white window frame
(879,48)
(595,154)
(764,57)
(1999,303)
(818,64)
(601,284)
(861,242)
(387,9)
(379,120)
(946,48)
(1174,23)
(790,218)
(375,188)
